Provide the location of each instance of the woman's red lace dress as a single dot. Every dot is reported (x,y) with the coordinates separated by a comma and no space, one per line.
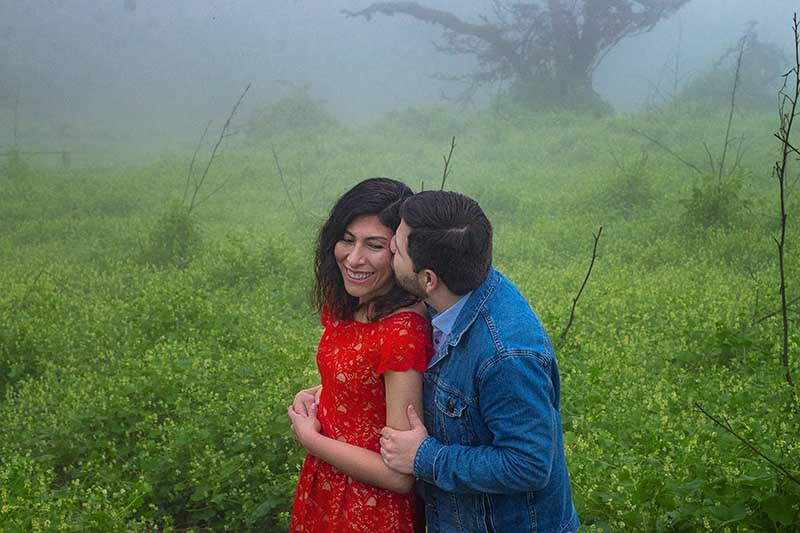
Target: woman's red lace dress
(351,357)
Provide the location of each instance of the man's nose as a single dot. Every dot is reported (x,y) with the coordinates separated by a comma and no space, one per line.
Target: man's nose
(393,245)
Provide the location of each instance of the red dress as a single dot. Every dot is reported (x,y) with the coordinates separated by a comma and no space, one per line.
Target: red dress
(351,357)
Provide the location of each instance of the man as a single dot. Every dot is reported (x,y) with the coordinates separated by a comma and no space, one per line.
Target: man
(490,454)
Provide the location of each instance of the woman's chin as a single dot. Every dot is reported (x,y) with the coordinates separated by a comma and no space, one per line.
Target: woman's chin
(366,293)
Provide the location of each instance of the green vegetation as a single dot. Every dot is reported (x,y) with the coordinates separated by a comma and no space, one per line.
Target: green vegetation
(144,382)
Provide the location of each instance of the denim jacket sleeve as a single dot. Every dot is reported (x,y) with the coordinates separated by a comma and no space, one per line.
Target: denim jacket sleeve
(517,403)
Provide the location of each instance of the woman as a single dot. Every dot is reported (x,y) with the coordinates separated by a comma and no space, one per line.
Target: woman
(375,346)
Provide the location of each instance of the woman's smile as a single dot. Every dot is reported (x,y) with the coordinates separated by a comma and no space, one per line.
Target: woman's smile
(364,258)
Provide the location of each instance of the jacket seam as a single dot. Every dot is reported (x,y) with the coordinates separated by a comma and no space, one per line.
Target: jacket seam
(495,359)
(493,280)
(487,317)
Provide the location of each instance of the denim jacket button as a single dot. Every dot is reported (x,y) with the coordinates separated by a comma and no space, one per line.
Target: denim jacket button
(450,406)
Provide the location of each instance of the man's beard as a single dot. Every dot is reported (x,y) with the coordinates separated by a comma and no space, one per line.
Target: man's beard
(411,284)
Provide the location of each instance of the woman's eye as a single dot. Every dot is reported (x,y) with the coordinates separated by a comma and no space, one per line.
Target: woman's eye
(376,246)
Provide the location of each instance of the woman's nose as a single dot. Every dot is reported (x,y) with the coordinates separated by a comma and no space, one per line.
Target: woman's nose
(356,256)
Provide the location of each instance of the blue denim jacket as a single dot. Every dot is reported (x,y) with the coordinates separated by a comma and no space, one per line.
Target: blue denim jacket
(494,457)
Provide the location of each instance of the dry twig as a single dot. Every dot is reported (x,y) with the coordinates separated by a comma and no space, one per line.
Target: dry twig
(788,99)
(724,424)
(447,162)
(222,135)
(283,182)
(583,285)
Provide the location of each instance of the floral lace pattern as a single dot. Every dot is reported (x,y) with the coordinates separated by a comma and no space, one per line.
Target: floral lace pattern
(351,358)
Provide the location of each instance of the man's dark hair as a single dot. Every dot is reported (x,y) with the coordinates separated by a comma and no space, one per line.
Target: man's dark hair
(449,234)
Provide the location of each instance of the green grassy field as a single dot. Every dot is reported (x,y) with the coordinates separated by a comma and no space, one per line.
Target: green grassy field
(147,358)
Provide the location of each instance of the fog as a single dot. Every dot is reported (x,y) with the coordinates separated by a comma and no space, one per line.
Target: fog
(129,68)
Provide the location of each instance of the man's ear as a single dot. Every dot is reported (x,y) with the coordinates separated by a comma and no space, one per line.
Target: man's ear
(429,280)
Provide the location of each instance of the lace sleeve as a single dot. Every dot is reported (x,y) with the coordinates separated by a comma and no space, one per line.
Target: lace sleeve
(405,343)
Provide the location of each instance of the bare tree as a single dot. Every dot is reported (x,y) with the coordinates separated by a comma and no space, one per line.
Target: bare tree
(790,98)
(546,48)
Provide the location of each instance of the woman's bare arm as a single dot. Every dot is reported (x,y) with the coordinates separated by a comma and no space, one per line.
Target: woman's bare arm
(402,388)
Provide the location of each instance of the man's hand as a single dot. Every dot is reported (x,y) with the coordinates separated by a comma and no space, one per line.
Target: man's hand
(398,448)
(304,399)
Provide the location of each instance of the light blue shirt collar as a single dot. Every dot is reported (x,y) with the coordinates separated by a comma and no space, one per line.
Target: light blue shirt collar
(443,322)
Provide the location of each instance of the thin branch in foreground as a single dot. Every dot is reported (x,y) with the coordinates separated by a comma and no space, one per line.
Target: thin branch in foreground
(283,182)
(776,311)
(779,170)
(222,134)
(31,286)
(669,150)
(710,158)
(583,285)
(447,162)
(736,78)
(724,424)
(191,165)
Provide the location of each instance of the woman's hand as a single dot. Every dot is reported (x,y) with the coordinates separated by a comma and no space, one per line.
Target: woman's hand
(305,427)
(304,399)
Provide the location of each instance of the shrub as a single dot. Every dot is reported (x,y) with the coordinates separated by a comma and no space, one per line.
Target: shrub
(173,239)
(759,79)
(630,189)
(716,202)
(291,115)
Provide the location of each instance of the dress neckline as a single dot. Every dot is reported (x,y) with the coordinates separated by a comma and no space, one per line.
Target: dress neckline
(387,317)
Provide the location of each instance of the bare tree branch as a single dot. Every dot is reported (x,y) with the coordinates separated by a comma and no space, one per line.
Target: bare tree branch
(736,78)
(724,424)
(710,158)
(445,19)
(558,43)
(446,171)
(779,170)
(669,150)
(583,285)
(283,182)
(776,311)
(194,157)
(199,184)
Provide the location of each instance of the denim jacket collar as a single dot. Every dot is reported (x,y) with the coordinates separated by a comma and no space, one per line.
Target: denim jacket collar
(469,313)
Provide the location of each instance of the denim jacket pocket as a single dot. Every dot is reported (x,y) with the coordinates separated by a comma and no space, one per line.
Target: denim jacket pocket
(452,416)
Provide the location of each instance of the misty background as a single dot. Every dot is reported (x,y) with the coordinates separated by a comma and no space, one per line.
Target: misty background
(149,75)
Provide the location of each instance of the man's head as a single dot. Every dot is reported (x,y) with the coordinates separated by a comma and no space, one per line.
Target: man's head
(443,238)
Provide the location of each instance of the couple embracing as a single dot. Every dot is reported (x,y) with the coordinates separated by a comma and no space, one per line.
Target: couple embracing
(439,398)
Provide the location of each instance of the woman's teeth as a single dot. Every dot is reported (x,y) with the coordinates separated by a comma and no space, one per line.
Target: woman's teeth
(358,276)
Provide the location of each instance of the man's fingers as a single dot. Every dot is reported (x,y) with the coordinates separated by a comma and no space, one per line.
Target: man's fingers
(413,418)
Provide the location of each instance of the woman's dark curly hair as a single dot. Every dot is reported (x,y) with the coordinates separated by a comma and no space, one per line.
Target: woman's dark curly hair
(373,196)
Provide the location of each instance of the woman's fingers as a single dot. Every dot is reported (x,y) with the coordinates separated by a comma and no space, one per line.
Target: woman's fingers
(302,401)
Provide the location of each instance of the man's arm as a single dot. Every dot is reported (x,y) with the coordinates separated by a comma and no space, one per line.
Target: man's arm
(517,405)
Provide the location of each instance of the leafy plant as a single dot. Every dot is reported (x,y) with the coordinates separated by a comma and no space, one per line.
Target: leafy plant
(716,203)
(631,188)
(173,240)
(295,113)
(761,66)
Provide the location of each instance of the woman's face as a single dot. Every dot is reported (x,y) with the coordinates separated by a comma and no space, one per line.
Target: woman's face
(364,258)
